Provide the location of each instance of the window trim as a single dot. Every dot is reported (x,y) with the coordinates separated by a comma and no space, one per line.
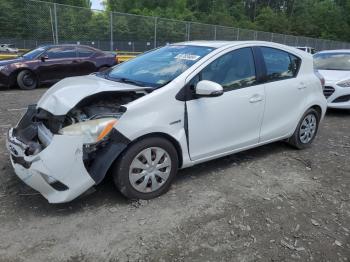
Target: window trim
(261,57)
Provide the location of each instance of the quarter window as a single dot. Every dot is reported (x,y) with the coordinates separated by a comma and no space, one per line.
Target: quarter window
(61,52)
(233,70)
(280,64)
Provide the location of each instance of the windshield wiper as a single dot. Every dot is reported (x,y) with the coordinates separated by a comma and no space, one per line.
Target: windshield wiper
(127,81)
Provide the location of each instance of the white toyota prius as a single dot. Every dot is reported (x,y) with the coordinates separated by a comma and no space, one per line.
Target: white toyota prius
(167,109)
(334,66)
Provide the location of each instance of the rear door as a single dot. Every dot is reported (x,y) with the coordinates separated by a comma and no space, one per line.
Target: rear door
(217,125)
(61,62)
(284,91)
(87,63)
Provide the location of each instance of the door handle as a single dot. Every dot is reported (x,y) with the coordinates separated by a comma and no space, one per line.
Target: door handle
(255,99)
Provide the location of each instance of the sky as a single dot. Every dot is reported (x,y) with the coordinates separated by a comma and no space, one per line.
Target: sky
(96,4)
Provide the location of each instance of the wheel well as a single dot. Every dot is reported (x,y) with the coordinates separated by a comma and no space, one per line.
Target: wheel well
(14,74)
(318,109)
(172,140)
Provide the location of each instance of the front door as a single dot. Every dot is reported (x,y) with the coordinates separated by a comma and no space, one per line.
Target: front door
(61,62)
(218,125)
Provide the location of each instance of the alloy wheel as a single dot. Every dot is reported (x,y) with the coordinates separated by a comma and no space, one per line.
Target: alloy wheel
(308,128)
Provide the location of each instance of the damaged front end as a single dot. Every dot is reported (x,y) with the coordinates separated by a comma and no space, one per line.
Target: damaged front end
(62,156)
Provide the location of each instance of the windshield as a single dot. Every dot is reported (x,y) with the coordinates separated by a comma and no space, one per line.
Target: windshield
(158,67)
(33,53)
(332,61)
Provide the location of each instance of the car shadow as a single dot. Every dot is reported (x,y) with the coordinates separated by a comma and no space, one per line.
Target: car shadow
(105,194)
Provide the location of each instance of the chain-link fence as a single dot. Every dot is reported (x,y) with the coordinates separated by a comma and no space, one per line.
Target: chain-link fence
(30,23)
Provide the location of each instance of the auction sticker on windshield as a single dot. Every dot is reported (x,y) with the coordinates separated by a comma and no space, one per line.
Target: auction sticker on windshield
(187,57)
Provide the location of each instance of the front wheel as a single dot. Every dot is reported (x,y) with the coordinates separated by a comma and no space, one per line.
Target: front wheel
(27,80)
(306,130)
(146,169)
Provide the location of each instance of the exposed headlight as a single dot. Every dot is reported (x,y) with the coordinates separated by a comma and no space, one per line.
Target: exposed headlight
(3,68)
(93,131)
(345,83)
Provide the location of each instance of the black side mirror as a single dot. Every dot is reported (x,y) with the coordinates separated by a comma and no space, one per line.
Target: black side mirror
(44,57)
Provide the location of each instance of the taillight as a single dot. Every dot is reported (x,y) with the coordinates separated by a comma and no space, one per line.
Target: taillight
(322,80)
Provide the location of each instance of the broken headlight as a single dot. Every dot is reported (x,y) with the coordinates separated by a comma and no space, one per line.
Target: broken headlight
(93,131)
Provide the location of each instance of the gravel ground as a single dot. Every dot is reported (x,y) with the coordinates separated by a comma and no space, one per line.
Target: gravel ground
(272,203)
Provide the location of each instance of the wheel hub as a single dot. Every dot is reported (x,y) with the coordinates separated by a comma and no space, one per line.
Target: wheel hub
(308,128)
(150,169)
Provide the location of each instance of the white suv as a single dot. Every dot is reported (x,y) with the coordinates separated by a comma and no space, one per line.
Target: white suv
(167,109)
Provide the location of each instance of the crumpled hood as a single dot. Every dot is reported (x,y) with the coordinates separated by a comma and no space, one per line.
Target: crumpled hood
(67,93)
(11,61)
(334,75)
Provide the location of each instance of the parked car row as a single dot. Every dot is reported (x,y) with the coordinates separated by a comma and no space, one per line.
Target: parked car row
(51,63)
(168,109)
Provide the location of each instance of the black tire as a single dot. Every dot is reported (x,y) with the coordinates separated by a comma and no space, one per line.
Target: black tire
(27,80)
(295,139)
(121,168)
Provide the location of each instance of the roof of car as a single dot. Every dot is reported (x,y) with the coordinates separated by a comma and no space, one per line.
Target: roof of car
(52,45)
(335,51)
(219,44)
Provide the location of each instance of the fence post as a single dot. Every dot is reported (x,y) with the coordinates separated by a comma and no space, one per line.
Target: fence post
(55,17)
(52,27)
(111,28)
(237,33)
(214,32)
(271,37)
(255,35)
(155,32)
(188,31)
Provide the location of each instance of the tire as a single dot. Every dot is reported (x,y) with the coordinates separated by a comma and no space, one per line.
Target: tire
(27,80)
(309,124)
(137,183)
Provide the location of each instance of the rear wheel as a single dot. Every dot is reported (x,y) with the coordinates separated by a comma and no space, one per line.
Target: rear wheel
(27,80)
(146,169)
(306,130)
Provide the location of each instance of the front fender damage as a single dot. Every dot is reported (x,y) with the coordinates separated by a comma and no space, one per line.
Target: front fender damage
(99,160)
(62,167)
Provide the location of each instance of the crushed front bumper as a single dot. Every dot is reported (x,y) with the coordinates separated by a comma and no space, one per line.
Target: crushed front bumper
(57,172)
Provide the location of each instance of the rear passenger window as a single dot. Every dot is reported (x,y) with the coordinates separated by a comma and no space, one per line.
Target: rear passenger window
(280,64)
(84,52)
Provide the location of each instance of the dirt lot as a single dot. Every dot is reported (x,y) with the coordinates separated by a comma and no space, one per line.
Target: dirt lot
(272,203)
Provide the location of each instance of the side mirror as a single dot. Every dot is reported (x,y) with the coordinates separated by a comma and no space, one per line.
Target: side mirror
(207,88)
(44,57)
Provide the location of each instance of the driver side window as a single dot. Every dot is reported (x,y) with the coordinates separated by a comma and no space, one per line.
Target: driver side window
(233,70)
(61,52)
